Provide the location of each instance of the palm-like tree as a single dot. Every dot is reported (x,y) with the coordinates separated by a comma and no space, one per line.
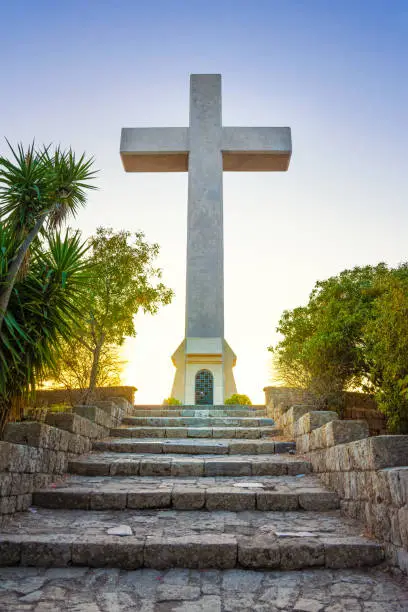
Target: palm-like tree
(36,187)
(44,307)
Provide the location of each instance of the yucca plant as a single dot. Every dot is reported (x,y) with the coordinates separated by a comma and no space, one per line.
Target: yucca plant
(45,306)
(38,189)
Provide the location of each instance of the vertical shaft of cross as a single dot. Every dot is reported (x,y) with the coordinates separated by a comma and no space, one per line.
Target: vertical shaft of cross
(205,265)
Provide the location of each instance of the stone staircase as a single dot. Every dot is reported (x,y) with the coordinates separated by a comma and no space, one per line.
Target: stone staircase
(193,488)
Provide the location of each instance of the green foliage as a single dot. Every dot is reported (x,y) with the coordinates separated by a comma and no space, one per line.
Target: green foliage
(352,334)
(43,309)
(386,337)
(171,401)
(36,187)
(238,399)
(124,281)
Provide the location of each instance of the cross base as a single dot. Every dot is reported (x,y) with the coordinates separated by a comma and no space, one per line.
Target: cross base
(203,371)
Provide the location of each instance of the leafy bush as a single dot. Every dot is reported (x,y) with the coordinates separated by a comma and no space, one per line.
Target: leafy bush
(238,399)
(171,401)
(352,334)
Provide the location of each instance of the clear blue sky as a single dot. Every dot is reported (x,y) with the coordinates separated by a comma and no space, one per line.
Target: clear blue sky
(335,71)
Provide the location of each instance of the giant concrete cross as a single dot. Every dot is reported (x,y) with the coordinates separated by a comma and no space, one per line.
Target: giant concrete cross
(204,361)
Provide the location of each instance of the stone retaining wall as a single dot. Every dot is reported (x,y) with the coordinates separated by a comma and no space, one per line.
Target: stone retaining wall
(369,474)
(47,397)
(357,406)
(34,454)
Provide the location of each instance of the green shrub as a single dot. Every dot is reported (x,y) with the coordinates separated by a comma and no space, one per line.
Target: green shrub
(238,399)
(171,401)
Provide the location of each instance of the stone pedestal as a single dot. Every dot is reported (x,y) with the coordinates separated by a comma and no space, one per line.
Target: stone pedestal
(196,354)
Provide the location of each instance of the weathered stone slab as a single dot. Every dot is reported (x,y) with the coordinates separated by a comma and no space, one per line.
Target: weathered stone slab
(109,551)
(312,420)
(203,551)
(343,553)
(273,501)
(188,498)
(341,432)
(301,553)
(258,552)
(228,498)
(95,414)
(155,468)
(76,424)
(227,467)
(187,467)
(149,499)
(46,551)
(320,501)
(378,452)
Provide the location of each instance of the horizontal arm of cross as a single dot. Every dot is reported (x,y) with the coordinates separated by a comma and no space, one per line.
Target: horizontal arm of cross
(250,149)
(154,149)
(256,149)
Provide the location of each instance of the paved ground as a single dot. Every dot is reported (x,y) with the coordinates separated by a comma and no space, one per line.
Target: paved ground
(178,590)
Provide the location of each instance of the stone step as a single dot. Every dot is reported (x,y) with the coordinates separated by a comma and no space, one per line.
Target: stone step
(212,494)
(194,446)
(173,538)
(194,421)
(243,433)
(192,412)
(179,466)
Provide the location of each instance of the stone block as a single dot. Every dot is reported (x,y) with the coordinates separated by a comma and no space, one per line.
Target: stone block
(149,498)
(108,500)
(108,551)
(8,504)
(269,467)
(224,432)
(218,551)
(229,498)
(177,432)
(21,484)
(227,467)
(284,447)
(72,498)
(258,553)
(6,482)
(265,447)
(30,433)
(95,414)
(41,481)
(378,452)
(187,467)
(152,467)
(246,433)
(313,420)
(23,502)
(397,480)
(89,468)
(46,550)
(341,432)
(351,552)
(188,498)
(274,501)
(130,467)
(403,525)
(320,501)
(303,443)
(10,550)
(301,553)
(298,467)
(76,424)
(243,448)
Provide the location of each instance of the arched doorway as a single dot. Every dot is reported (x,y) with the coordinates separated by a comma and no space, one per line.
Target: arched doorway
(204,388)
